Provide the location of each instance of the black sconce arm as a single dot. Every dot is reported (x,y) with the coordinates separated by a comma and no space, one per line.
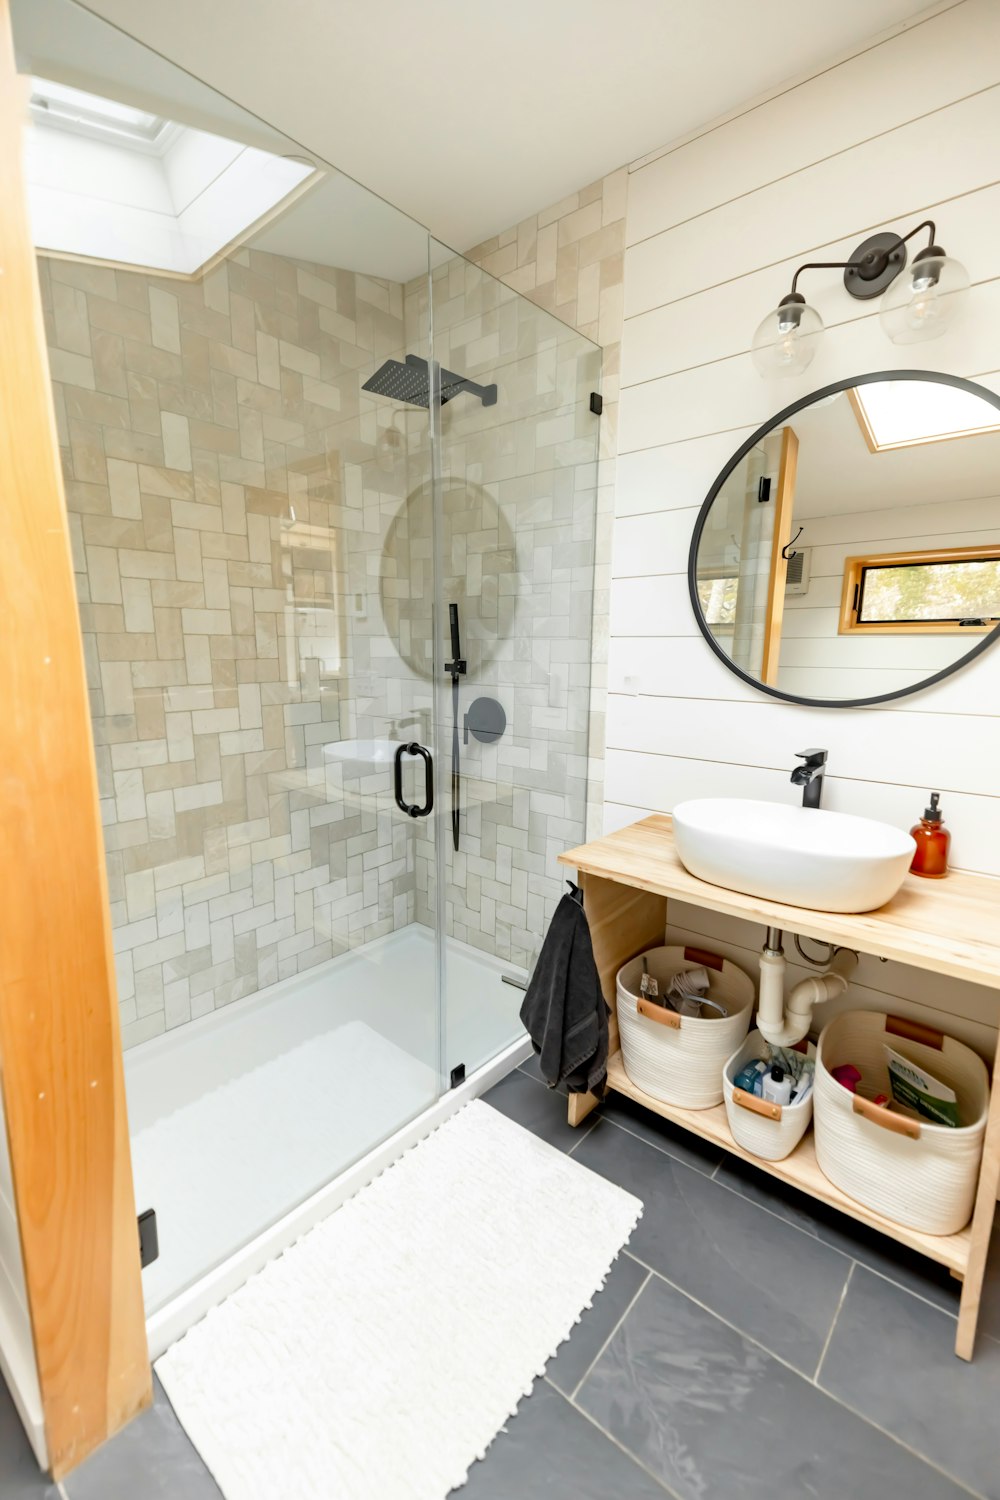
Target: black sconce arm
(874,261)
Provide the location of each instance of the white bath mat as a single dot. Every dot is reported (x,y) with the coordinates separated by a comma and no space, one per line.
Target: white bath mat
(379,1356)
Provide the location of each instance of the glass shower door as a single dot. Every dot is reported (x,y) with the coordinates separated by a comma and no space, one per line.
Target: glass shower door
(240,487)
(517,452)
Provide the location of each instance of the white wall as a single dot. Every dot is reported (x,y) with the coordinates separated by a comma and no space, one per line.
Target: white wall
(715,228)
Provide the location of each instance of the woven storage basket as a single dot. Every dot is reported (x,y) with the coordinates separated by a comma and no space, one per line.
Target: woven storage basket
(913,1172)
(679,1059)
(771,1131)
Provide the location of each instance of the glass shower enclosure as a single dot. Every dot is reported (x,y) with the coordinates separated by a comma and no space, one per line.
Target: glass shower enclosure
(331,491)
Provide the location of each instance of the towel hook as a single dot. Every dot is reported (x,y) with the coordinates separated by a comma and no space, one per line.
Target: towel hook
(785,552)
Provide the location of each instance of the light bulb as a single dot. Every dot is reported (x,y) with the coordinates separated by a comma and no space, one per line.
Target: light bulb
(923,302)
(786,340)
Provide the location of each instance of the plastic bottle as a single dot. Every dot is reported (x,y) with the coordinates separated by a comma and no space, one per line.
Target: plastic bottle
(933,840)
(776,1086)
(747,1078)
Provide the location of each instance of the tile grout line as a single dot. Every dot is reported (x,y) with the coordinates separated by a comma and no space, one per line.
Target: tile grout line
(579,1142)
(587,1373)
(610,1437)
(829,1335)
(816,1239)
(914,1452)
(830,1395)
(712,1177)
(664,1152)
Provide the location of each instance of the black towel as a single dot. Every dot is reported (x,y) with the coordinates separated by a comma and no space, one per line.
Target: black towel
(564,1012)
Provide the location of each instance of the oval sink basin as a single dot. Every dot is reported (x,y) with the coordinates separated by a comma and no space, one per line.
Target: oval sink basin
(803,856)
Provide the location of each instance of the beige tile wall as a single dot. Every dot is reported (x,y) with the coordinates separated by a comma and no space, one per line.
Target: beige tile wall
(519,513)
(229,491)
(252,538)
(569,259)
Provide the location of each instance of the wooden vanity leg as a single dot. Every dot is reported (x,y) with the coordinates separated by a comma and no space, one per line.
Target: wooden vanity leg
(982,1223)
(579,1107)
(624,922)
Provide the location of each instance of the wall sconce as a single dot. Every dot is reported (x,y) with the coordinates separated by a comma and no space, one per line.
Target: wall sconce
(920,304)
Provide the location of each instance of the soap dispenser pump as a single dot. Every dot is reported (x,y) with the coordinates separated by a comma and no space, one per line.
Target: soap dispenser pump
(932,840)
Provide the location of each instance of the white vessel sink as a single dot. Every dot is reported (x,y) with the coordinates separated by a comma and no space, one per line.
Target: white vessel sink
(802,856)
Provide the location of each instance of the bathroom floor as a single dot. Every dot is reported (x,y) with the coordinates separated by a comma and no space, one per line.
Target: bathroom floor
(748,1342)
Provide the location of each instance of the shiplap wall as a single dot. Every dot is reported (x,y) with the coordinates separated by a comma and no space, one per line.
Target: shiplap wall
(818,662)
(715,228)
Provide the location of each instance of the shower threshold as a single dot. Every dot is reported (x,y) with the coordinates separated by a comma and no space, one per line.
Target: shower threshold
(251,1124)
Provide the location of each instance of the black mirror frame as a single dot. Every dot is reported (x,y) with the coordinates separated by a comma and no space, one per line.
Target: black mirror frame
(810,400)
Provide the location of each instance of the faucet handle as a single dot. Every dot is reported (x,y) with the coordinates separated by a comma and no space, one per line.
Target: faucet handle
(813,757)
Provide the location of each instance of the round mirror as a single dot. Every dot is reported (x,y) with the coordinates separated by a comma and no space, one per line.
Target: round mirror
(849,552)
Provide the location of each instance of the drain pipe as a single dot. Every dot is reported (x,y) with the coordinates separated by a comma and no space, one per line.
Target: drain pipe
(784,1024)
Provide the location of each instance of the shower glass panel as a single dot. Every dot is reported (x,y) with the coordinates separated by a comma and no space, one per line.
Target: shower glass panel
(294,432)
(215,304)
(518,488)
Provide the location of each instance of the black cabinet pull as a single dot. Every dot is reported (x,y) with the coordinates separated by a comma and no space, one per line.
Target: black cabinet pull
(414,810)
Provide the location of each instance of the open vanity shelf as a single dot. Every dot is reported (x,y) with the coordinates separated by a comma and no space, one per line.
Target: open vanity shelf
(951,927)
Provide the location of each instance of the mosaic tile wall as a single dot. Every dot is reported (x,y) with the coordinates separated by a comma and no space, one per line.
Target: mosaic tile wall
(229,492)
(569,260)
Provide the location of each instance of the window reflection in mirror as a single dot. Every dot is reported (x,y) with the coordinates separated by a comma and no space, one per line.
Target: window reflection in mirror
(853,551)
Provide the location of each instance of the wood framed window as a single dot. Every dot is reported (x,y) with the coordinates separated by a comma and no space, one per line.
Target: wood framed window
(950,590)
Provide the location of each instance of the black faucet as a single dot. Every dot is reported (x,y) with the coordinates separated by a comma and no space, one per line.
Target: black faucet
(809,776)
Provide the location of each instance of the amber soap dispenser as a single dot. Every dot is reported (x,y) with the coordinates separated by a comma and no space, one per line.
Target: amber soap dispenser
(933,839)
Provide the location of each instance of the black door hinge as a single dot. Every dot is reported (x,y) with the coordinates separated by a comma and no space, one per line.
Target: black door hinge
(149,1239)
(596,403)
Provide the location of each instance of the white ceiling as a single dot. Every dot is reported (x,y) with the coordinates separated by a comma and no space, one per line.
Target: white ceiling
(471,115)
(838,475)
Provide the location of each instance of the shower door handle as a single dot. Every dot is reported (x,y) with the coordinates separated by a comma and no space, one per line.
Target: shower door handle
(414,810)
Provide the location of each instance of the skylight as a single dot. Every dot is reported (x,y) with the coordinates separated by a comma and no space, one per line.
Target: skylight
(904,413)
(111,182)
(63,108)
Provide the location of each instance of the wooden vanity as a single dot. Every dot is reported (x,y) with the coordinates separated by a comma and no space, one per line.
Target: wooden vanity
(950,927)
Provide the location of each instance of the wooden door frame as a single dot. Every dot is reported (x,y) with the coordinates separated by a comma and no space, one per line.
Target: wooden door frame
(784,506)
(61,1066)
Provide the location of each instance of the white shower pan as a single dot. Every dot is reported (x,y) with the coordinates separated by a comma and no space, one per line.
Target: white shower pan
(251,1124)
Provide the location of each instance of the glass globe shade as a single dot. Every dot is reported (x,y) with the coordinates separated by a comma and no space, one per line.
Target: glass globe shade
(924,300)
(786,340)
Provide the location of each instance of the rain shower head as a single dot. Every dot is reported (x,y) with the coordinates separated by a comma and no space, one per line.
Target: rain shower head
(410,382)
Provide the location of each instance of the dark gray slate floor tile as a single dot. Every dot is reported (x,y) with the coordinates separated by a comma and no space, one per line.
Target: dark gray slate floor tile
(152,1459)
(550,1450)
(716,1418)
(584,1344)
(20,1476)
(538,1108)
(884,1255)
(624,1112)
(776,1284)
(531,1067)
(892,1357)
(989,1312)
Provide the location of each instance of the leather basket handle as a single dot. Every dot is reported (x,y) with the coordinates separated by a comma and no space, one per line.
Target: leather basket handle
(914,1031)
(765,1107)
(885,1119)
(704,959)
(659,1013)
